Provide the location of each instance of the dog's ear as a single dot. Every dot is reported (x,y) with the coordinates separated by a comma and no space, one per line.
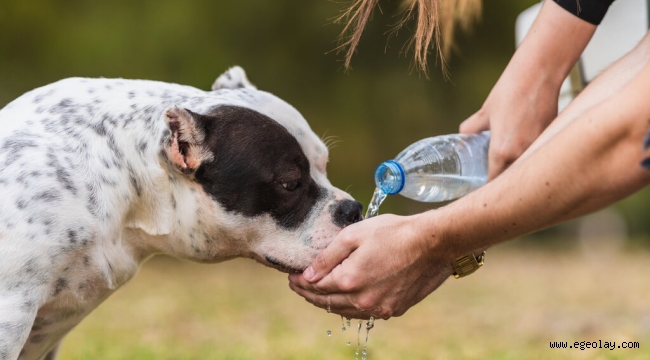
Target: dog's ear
(233,78)
(186,148)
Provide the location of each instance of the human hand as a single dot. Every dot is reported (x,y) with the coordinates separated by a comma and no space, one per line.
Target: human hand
(524,100)
(378,267)
(516,111)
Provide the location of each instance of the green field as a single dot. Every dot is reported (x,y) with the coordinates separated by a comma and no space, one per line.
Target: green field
(511,309)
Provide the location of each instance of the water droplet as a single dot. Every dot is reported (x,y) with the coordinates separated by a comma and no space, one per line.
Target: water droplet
(348,344)
(358,341)
(371,323)
(329,333)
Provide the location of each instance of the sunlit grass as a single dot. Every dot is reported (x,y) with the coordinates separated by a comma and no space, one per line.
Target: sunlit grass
(511,309)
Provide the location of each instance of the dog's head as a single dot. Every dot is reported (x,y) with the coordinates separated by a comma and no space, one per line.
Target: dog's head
(263,173)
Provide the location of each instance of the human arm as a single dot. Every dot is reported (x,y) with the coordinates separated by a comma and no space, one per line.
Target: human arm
(525,98)
(387,264)
(607,84)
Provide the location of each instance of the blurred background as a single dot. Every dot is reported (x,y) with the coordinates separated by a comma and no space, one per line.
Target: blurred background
(583,280)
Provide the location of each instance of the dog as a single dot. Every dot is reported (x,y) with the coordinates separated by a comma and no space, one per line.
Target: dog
(98,175)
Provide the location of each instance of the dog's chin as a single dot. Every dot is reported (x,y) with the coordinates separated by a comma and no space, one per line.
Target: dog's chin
(275,264)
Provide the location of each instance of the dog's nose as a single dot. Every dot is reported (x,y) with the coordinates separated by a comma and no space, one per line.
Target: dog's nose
(347,212)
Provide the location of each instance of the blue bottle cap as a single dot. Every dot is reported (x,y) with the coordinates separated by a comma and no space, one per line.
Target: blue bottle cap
(389,177)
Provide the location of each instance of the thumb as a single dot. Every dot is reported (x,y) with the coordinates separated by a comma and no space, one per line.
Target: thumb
(327,260)
(475,123)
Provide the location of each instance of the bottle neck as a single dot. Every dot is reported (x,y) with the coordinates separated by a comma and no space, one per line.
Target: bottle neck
(389,177)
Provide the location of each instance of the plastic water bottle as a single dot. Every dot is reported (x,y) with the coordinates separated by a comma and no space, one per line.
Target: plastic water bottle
(438,168)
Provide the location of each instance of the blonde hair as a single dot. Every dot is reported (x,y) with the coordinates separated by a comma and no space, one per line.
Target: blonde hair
(436,21)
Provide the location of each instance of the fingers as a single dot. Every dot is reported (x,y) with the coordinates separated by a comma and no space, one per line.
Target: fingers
(475,123)
(504,152)
(496,165)
(337,303)
(333,255)
(334,282)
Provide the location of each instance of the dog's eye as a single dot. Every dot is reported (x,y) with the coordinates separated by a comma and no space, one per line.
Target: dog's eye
(291,185)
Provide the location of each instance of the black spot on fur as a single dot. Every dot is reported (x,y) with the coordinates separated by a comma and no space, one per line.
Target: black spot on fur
(143,146)
(47,196)
(99,128)
(72,236)
(256,155)
(134,182)
(18,144)
(28,305)
(42,96)
(61,284)
(62,174)
(112,144)
(29,267)
(21,204)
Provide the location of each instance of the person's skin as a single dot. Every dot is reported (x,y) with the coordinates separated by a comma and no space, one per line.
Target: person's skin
(610,82)
(589,158)
(525,98)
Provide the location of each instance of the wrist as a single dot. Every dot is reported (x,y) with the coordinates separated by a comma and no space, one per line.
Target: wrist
(443,239)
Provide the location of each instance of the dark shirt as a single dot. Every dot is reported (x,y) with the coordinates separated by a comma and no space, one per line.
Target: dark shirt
(591,11)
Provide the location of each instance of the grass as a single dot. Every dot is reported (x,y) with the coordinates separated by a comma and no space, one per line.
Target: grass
(511,309)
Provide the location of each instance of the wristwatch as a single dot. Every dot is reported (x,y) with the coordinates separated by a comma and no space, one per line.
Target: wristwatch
(467,264)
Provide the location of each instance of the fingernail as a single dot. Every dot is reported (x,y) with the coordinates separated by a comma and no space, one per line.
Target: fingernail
(309,273)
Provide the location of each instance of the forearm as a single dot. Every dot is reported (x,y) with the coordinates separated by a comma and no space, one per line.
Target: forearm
(606,85)
(591,163)
(551,48)
(524,100)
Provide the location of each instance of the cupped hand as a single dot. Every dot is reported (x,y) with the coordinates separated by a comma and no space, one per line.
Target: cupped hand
(516,111)
(378,267)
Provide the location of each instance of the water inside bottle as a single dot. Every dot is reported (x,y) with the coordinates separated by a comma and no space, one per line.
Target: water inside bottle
(434,188)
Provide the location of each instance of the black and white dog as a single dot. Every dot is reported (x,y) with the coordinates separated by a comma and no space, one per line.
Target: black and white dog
(97,175)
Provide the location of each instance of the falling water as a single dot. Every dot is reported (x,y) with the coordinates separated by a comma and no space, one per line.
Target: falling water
(378,197)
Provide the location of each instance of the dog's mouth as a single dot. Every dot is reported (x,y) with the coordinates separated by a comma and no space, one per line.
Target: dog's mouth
(274,263)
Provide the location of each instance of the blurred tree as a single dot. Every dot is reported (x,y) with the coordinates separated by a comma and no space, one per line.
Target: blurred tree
(374,110)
